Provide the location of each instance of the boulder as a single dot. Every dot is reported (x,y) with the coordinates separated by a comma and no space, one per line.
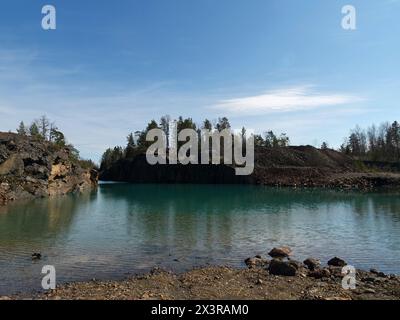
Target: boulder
(320,273)
(280,252)
(282,268)
(337,262)
(312,263)
(295,263)
(256,262)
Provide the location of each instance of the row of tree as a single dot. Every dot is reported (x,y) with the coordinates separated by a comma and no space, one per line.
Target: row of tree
(136,142)
(376,143)
(43,129)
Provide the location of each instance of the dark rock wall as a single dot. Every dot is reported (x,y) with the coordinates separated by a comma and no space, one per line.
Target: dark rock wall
(139,171)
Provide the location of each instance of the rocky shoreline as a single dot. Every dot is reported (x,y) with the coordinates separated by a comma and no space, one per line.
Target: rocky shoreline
(280,278)
(32,168)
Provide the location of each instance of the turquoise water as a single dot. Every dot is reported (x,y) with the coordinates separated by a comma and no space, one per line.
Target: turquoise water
(124,229)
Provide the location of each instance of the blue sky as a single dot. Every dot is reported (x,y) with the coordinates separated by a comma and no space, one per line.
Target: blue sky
(285,65)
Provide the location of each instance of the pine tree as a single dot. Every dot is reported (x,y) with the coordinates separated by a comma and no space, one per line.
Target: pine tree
(207,125)
(34,130)
(22,129)
(324,146)
(130,146)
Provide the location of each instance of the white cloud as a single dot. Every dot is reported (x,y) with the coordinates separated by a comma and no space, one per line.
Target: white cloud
(283,100)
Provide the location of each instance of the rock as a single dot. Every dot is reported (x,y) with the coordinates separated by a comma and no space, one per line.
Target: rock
(295,263)
(31,168)
(337,262)
(368,290)
(280,252)
(36,256)
(282,268)
(320,273)
(374,271)
(312,263)
(368,279)
(256,262)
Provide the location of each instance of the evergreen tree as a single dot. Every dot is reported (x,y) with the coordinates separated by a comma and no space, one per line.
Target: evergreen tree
(22,129)
(130,146)
(222,124)
(324,146)
(57,137)
(207,125)
(34,130)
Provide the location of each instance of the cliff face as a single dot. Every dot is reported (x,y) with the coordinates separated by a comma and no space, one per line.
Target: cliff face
(31,168)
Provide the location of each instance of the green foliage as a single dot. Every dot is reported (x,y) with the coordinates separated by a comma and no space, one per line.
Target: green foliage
(110,156)
(137,144)
(270,140)
(324,146)
(360,166)
(376,143)
(222,124)
(45,130)
(207,125)
(34,131)
(87,164)
(22,130)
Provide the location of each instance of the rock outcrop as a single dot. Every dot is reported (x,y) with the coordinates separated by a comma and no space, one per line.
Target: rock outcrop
(31,168)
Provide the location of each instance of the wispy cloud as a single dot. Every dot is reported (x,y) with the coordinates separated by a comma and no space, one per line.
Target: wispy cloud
(283,100)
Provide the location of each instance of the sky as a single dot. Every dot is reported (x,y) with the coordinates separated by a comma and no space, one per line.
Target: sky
(283,65)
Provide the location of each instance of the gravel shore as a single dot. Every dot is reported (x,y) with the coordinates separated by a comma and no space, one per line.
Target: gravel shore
(227,283)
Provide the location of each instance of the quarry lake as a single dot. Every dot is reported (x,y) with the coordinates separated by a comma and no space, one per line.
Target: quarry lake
(124,229)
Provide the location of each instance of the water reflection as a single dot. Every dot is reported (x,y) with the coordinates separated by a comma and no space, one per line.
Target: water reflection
(124,228)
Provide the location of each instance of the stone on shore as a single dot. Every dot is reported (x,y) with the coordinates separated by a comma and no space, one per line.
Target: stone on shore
(282,268)
(312,263)
(320,273)
(280,252)
(256,262)
(337,262)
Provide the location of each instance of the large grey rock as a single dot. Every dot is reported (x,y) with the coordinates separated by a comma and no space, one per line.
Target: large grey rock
(337,262)
(280,252)
(282,268)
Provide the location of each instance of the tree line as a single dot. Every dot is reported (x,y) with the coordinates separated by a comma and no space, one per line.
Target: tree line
(137,144)
(375,143)
(43,129)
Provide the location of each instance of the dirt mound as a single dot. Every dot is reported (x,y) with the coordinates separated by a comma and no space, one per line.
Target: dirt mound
(303,156)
